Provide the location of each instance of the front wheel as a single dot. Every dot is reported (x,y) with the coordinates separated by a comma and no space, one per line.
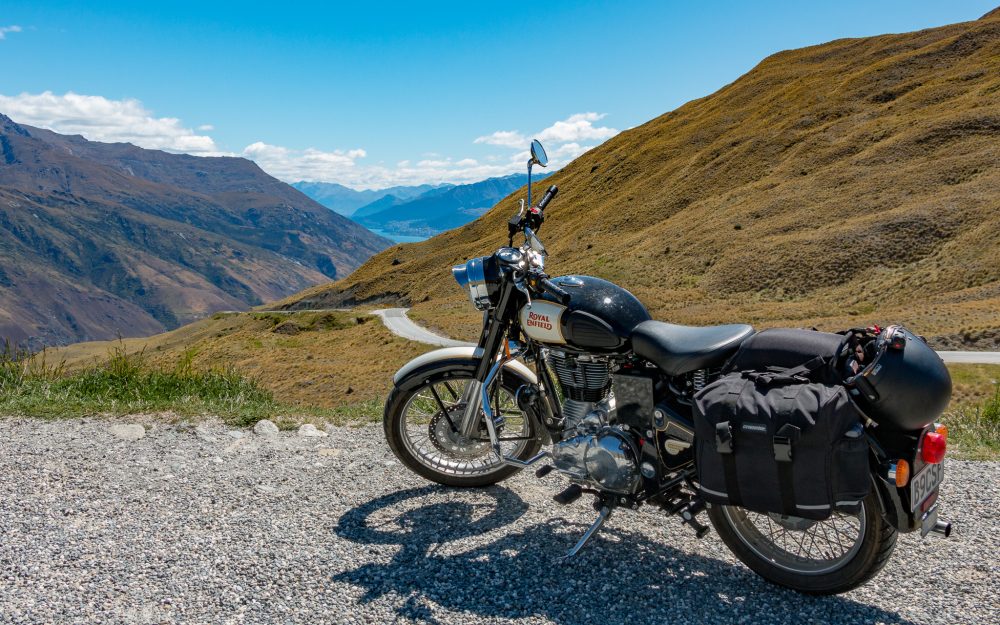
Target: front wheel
(422,435)
(815,557)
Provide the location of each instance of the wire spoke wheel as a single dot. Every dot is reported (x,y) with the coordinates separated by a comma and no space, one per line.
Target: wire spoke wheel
(824,557)
(799,545)
(431,421)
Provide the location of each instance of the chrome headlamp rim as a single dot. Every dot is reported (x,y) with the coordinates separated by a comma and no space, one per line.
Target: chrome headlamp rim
(472,278)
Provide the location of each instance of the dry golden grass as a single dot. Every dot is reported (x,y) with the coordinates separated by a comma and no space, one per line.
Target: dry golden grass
(841,184)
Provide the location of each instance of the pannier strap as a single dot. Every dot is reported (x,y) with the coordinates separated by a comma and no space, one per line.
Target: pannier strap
(784,439)
(786,436)
(724,445)
(794,375)
(723,438)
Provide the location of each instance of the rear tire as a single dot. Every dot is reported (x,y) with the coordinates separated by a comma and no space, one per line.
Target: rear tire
(858,564)
(397,425)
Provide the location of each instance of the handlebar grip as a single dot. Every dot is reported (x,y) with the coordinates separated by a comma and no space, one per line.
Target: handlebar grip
(550,287)
(551,193)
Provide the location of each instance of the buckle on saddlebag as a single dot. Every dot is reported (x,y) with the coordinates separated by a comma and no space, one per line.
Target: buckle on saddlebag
(786,436)
(723,438)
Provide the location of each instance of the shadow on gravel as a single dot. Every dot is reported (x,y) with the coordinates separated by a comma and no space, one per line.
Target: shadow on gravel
(620,577)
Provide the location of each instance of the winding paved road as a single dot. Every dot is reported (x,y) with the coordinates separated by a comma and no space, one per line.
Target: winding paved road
(399,324)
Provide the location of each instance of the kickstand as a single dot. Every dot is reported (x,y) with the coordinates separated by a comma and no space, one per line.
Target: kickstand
(602,516)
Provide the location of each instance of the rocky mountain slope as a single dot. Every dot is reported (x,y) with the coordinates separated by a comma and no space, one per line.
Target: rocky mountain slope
(850,182)
(102,239)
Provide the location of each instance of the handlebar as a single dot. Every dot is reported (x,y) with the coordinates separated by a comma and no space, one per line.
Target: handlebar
(549,195)
(552,289)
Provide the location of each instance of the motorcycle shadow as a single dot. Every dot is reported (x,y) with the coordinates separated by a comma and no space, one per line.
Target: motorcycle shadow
(461,550)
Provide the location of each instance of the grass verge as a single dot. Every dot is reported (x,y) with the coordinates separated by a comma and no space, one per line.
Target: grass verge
(125,383)
(974,428)
(973,418)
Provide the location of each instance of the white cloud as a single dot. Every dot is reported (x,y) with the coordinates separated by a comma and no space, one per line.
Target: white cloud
(578,127)
(100,119)
(308,164)
(506,138)
(8,29)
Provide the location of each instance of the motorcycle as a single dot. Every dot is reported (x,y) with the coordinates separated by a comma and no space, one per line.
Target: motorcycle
(619,424)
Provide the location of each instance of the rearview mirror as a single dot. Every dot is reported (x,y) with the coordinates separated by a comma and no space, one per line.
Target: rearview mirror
(538,154)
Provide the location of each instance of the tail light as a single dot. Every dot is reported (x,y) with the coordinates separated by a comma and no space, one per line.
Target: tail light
(934,444)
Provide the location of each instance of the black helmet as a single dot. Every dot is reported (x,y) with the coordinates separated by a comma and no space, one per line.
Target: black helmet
(905,384)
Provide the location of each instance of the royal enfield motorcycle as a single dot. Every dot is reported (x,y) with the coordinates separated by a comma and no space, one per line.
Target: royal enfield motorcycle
(622,405)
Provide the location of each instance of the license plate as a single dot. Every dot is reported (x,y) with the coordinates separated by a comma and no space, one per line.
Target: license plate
(925,483)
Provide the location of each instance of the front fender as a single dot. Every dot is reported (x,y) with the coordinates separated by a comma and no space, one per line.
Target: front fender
(429,361)
(457,360)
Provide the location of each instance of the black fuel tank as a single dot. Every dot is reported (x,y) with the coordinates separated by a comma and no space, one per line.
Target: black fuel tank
(599,318)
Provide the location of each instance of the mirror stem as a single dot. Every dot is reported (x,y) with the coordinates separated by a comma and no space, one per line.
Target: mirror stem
(530,162)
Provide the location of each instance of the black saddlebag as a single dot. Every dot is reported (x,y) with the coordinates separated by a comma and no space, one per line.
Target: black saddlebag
(778,442)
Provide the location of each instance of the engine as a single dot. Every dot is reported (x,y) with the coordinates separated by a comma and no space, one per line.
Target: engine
(593,449)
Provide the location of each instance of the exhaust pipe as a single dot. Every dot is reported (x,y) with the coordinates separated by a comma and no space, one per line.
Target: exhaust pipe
(942,527)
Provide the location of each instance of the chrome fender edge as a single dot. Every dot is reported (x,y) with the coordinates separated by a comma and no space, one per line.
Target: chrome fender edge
(450,353)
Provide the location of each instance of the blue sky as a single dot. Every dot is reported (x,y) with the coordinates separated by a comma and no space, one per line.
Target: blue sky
(376,93)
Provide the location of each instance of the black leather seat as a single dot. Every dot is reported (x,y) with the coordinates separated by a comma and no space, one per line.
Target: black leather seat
(680,349)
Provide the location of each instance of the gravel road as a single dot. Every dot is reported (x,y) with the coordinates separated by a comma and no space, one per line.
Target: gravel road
(211,525)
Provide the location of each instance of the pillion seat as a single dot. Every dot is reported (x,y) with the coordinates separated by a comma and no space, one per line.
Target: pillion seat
(679,349)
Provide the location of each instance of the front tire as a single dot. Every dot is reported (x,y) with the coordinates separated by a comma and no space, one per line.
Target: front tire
(814,557)
(421,438)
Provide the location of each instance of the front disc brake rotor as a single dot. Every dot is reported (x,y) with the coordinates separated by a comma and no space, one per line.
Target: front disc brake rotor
(450,442)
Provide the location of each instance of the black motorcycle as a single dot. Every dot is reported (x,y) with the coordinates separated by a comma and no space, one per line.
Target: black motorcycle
(631,419)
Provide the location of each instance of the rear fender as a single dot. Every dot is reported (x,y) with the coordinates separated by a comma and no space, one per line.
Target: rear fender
(893,501)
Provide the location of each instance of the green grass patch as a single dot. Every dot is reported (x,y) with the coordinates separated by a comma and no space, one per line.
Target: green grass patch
(125,384)
(974,430)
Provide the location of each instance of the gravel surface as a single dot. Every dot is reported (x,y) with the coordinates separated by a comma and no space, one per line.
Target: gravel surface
(210,525)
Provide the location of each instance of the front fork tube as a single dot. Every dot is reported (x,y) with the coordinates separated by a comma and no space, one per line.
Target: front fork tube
(488,412)
(472,397)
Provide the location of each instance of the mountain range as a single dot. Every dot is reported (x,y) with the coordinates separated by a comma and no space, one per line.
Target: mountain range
(840,184)
(99,240)
(439,209)
(346,201)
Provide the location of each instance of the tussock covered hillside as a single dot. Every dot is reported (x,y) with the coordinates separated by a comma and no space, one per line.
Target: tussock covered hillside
(850,182)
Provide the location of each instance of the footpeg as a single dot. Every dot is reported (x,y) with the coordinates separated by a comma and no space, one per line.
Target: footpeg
(543,471)
(602,516)
(689,515)
(569,495)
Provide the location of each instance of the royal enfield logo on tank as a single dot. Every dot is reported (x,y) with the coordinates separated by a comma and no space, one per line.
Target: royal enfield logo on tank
(541,320)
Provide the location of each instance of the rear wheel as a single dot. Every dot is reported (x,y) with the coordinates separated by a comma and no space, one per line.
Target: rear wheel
(425,438)
(816,557)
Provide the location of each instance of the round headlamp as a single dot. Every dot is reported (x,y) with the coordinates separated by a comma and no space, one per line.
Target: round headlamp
(479,278)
